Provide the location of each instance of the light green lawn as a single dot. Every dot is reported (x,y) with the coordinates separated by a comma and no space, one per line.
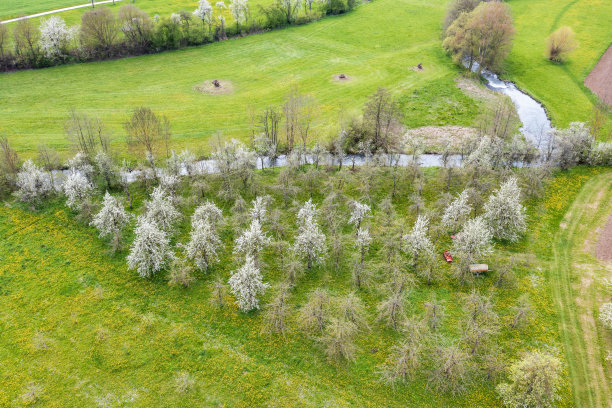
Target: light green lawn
(559,86)
(262,68)
(15,8)
(163,8)
(87,331)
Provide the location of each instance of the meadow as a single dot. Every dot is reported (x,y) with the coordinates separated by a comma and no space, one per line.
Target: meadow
(86,331)
(263,69)
(560,87)
(165,8)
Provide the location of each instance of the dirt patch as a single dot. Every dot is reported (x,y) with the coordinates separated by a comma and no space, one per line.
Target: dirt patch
(599,79)
(437,138)
(474,89)
(418,68)
(342,78)
(215,87)
(603,249)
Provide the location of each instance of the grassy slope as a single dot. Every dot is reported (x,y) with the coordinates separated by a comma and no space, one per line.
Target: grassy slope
(112,336)
(576,276)
(559,86)
(263,68)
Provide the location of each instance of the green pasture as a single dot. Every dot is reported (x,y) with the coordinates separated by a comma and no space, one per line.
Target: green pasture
(86,331)
(560,87)
(263,69)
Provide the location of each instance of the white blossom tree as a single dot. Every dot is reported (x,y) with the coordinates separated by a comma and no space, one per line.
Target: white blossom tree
(208,212)
(105,167)
(474,240)
(310,242)
(203,244)
(457,212)
(80,163)
(363,242)
(55,37)
(111,219)
(32,183)
(504,212)
(246,284)
(416,242)
(76,188)
(605,314)
(239,9)
(481,158)
(534,381)
(260,208)
(358,213)
(252,241)
(161,210)
(204,12)
(150,251)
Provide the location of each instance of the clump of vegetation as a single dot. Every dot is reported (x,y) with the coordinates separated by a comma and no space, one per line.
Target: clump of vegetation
(482,36)
(560,44)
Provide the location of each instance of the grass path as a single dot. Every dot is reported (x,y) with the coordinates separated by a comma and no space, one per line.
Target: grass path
(574,274)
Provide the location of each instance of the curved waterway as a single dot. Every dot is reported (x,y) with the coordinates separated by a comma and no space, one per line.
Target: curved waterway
(536,128)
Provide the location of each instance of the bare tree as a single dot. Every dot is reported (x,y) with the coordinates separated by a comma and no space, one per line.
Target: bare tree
(269,122)
(338,340)
(315,314)
(483,36)
(99,31)
(87,135)
(381,119)
(9,161)
(405,358)
(292,110)
(137,27)
(277,311)
(451,370)
(392,309)
(218,293)
(148,132)
(560,44)
(26,39)
(352,309)
(523,311)
(435,312)
(49,159)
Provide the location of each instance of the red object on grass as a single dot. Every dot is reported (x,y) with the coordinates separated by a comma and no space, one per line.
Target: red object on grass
(453,236)
(447,256)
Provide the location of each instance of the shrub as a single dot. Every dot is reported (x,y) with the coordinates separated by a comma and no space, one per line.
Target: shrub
(560,44)
(99,32)
(483,36)
(456,8)
(137,27)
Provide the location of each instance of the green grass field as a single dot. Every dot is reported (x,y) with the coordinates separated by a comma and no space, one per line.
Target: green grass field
(263,68)
(113,338)
(560,87)
(163,8)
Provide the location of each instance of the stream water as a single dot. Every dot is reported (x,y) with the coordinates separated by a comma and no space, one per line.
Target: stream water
(535,127)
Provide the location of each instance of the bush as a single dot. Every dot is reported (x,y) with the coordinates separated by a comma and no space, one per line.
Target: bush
(168,35)
(274,16)
(456,8)
(338,6)
(560,44)
(602,154)
(99,32)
